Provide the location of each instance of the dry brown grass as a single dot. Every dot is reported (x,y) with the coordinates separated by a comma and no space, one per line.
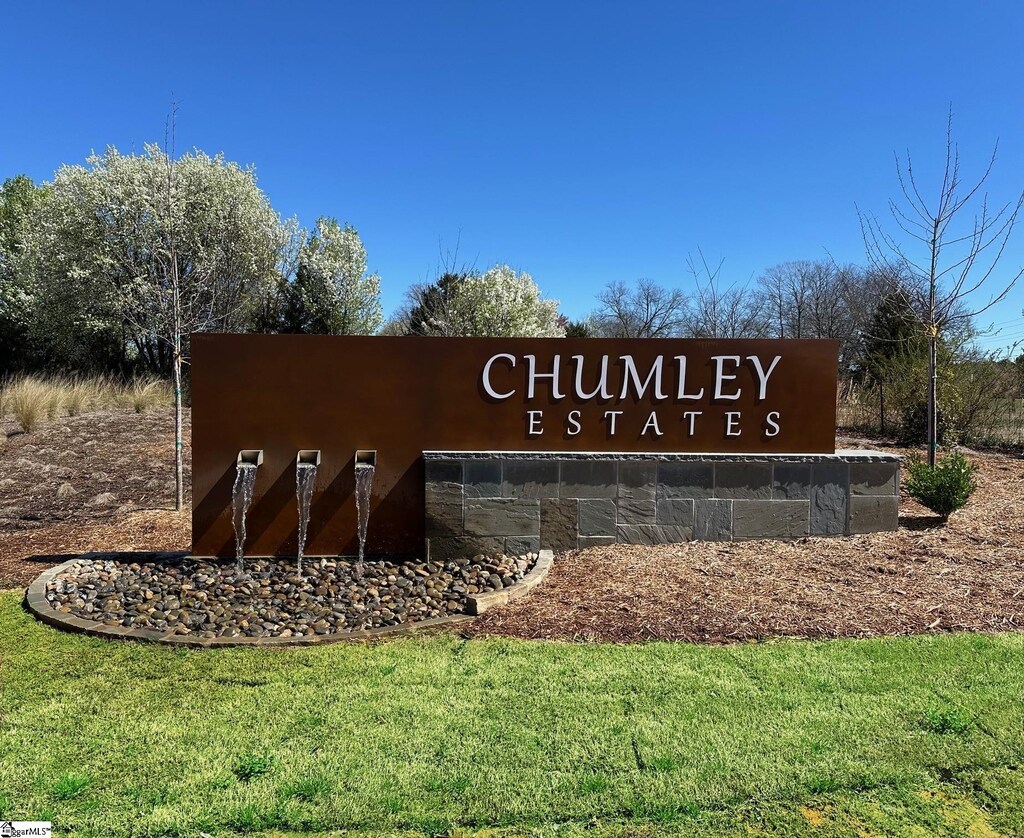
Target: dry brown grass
(31,399)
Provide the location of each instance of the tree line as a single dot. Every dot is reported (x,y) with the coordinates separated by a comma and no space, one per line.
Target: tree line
(112,264)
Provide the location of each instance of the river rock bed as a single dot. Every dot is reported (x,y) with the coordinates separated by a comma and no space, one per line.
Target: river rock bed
(209,599)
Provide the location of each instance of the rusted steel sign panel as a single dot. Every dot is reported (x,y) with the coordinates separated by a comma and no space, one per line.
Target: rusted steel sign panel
(405,395)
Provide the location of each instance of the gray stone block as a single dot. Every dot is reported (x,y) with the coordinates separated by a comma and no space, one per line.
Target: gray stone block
(830,494)
(638,479)
(791,481)
(653,534)
(685,480)
(874,514)
(483,478)
(443,509)
(712,519)
(588,479)
(633,511)
(443,471)
(597,517)
(596,541)
(520,545)
(442,549)
(530,478)
(675,511)
(770,518)
(559,528)
(502,516)
(873,478)
(750,481)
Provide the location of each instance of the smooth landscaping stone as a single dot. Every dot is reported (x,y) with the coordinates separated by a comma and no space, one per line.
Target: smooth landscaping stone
(712,519)
(588,479)
(675,511)
(873,514)
(653,534)
(530,478)
(632,511)
(597,517)
(638,479)
(685,480)
(559,528)
(482,478)
(750,481)
(873,478)
(829,498)
(770,518)
(202,600)
(791,481)
(502,516)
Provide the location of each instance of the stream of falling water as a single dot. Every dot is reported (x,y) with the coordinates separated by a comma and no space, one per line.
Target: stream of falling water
(305,475)
(241,498)
(364,483)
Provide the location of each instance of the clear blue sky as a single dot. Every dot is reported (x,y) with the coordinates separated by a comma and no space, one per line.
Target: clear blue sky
(583,142)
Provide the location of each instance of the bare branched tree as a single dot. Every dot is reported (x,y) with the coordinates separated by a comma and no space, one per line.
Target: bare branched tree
(957,264)
(645,310)
(717,312)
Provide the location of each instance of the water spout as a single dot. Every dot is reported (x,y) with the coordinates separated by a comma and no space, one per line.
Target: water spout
(366,467)
(305,475)
(241,498)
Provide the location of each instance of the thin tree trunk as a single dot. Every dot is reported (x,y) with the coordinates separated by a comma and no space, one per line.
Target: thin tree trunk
(933,389)
(179,477)
(881,407)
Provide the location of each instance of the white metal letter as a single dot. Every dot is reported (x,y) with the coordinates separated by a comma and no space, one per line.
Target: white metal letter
(681,392)
(533,418)
(692,414)
(720,375)
(773,423)
(761,374)
(574,419)
(731,419)
(630,372)
(531,379)
(611,415)
(487,376)
(602,384)
(652,424)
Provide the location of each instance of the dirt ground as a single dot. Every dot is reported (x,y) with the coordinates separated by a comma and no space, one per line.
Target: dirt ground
(967,575)
(99,481)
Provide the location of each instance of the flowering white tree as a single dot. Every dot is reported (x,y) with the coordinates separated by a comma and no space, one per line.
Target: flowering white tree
(155,247)
(497,303)
(331,292)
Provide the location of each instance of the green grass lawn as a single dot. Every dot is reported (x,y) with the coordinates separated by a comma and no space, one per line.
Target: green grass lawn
(915,736)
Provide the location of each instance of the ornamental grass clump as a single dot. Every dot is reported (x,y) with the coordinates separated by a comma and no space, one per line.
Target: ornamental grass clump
(30,400)
(943,489)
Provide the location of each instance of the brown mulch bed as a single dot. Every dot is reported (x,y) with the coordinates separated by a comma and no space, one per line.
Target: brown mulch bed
(966,576)
(99,481)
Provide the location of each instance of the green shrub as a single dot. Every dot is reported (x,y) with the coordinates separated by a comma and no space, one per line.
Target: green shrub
(943,489)
(913,428)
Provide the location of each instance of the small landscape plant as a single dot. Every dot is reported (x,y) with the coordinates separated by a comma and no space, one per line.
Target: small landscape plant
(943,489)
(252,766)
(943,720)
(29,400)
